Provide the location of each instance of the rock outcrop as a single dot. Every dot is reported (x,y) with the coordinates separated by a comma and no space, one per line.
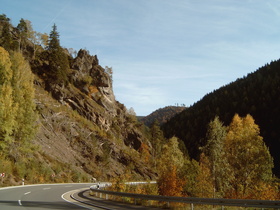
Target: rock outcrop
(92,79)
(90,94)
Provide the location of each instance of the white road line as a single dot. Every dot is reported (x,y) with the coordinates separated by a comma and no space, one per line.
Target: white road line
(46,188)
(27,193)
(19,202)
(67,198)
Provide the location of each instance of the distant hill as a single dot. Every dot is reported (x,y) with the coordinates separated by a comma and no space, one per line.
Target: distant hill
(162,115)
(257,94)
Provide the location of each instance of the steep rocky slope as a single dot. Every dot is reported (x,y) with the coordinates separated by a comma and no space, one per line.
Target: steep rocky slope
(83,126)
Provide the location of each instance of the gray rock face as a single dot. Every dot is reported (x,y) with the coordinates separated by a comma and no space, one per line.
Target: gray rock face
(84,62)
(92,96)
(91,78)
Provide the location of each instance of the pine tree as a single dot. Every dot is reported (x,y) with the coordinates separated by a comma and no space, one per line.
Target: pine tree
(54,42)
(58,61)
(22,32)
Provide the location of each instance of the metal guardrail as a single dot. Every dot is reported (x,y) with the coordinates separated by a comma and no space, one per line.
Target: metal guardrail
(197,201)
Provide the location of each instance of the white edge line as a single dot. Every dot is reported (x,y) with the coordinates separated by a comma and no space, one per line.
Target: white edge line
(62,196)
(31,185)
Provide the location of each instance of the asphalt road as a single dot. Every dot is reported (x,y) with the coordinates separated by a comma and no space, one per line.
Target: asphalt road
(40,197)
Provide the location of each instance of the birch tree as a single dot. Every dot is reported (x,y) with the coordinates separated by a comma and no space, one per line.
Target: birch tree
(23,95)
(249,159)
(7,106)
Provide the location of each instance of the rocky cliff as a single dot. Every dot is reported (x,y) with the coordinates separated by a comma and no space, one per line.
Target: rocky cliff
(82,124)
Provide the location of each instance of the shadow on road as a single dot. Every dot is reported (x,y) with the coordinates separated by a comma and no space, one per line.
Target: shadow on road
(39,205)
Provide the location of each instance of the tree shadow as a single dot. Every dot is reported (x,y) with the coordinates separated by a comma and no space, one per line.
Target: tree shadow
(40,205)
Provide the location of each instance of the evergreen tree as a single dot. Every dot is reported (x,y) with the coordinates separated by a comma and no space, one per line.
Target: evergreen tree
(54,42)
(22,33)
(58,61)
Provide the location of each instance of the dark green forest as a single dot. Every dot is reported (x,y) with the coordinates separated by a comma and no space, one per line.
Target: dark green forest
(257,94)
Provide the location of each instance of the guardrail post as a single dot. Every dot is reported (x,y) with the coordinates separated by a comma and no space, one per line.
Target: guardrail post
(192,208)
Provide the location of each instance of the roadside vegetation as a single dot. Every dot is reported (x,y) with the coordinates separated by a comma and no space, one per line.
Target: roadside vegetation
(235,163)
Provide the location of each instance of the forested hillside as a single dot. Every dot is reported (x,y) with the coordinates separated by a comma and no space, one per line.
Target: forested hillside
(162,115)
(257,94)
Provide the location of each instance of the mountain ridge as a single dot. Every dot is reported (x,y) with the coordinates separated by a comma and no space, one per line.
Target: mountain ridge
(162,115)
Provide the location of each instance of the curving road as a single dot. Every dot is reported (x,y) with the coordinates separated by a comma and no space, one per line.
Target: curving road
(41,197)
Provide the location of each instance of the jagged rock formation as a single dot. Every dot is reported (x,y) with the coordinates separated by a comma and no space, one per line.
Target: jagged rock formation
(91,95)
(107,141)
(92,79)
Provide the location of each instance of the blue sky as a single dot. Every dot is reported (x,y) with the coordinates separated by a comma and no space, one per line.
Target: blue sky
(162,51)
